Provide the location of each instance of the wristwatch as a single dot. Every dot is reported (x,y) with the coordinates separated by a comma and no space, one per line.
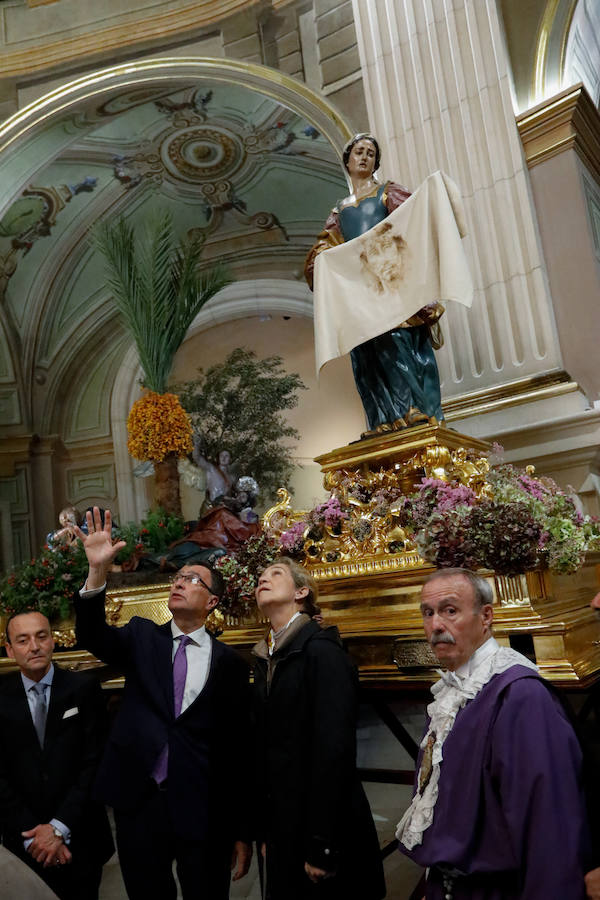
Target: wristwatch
(58,833)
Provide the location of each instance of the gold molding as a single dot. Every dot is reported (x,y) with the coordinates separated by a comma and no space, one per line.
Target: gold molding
(262,79)
(564,39)
(392,447)
(538,83)
(379,619)
(567,121)
(514,393)
(158,27)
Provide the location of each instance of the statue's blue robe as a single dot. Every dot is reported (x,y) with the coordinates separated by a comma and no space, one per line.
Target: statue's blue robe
(510,812)
(395,372)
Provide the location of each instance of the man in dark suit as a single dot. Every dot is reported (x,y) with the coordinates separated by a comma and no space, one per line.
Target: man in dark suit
(51,737)
(177,760)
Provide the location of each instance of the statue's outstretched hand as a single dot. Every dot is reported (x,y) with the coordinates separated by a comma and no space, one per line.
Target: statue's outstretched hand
(98,546)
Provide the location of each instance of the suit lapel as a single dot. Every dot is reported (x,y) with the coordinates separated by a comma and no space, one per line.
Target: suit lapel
(57,706)
(216,656)
(18,707)
(163,664)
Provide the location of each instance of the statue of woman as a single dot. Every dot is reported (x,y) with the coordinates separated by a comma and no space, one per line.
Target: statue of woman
(395,373)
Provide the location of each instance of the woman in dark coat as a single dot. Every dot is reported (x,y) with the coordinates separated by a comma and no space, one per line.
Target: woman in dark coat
(318,835)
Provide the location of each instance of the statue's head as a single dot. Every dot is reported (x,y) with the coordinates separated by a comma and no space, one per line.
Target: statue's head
(224,458)
(362,136)
(70,515)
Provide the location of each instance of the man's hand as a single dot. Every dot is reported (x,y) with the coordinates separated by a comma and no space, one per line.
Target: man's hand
(242,854)
(63,856)
(315,874)
(98,546)
(592,884)
(45,847)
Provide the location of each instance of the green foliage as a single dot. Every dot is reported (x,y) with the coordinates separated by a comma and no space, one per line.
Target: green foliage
(153,534)
(157,287)
(237,406)
(46,583)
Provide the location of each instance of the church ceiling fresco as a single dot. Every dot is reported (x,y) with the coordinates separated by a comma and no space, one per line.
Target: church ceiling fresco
(249,175)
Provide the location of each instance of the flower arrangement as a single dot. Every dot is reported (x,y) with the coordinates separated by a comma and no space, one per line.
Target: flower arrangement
(158,426)
(518,522)
(46,583)
(241,572)
(157,531)
(292,540)
(511,523)
(330,514)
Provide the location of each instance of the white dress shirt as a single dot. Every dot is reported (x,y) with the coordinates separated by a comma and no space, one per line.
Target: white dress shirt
(486,649)
(198,653)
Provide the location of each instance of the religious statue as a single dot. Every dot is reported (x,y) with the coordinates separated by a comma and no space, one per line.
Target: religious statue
(226,518)
(396,372)
(219,478)
(243,499)
(68,518)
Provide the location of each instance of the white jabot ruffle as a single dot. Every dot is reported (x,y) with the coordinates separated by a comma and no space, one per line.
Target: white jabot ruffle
(450,694)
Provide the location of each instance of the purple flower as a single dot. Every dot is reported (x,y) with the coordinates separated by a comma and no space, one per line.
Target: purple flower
(331,513)
(293,539)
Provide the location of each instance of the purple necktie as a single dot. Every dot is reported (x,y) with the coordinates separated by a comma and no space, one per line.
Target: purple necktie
(180,667)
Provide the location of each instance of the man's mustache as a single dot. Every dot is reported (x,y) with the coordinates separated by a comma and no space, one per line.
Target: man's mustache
(444,638)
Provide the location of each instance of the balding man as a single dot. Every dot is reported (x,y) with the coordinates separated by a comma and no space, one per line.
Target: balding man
(51,740)
(498,811)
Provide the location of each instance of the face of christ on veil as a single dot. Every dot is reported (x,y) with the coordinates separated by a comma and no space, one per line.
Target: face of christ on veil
(383,257)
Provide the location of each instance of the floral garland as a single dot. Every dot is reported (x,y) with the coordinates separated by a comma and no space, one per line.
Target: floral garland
(158,426)
(516,523)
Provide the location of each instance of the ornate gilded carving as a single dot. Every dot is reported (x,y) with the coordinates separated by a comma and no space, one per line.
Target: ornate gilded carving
(64,633)
(112,607)
(408,654)
(370,495)
(64,637)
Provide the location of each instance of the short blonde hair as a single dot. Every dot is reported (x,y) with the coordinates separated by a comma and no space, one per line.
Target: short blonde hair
(301,579)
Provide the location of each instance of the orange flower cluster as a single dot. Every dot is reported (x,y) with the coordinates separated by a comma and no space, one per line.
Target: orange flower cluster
(158,425)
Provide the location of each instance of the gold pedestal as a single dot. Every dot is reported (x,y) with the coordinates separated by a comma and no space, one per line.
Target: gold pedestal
(370,585)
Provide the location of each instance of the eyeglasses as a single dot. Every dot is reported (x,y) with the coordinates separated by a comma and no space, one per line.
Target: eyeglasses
(189,578)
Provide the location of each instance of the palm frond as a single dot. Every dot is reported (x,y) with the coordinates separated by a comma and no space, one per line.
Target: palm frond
(158,287)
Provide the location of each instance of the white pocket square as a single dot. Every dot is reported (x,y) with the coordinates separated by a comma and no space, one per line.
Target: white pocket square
(71,712)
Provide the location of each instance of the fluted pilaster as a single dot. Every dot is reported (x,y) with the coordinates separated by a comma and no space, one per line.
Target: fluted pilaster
(436,77)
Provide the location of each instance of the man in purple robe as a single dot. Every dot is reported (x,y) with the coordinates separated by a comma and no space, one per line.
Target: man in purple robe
(498,811)
(592,878)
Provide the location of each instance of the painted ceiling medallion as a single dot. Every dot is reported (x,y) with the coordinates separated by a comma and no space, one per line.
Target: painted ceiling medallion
(201,153)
